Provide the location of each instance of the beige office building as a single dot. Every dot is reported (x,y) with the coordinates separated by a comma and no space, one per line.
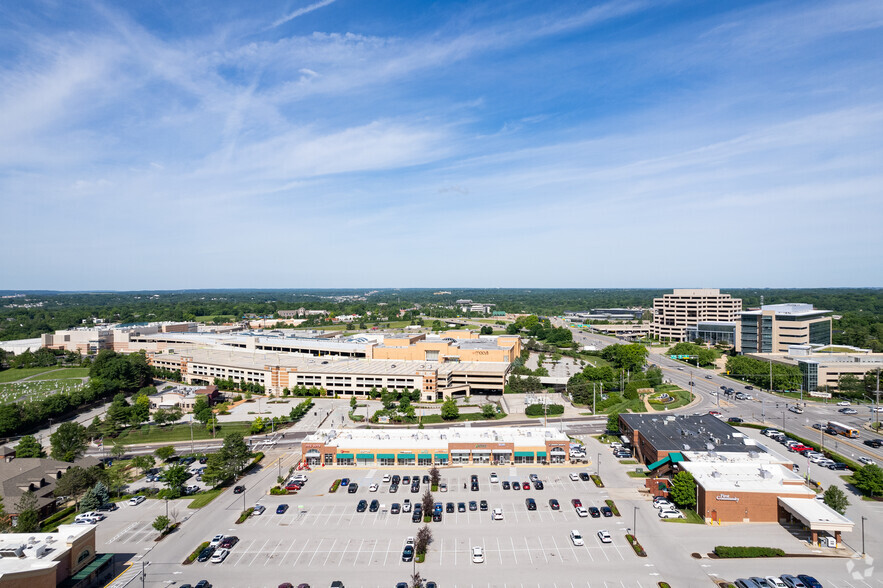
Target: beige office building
(340,376)
(685,307)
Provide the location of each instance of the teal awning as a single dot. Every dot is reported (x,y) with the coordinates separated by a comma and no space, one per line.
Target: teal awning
(441,456)
(674,457)
(386,456)
(541,454)
(425,456)
(365,456)
(93,566)
(406,456)
(524,454)
(344,456)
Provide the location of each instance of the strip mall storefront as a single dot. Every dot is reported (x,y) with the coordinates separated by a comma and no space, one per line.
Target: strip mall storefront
(317,453)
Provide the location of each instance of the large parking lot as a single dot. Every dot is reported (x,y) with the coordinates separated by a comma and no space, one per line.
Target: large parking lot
(322,537)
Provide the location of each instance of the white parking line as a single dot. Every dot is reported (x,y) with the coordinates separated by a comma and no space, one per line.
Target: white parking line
(543,549)
(315,552)
(290,546)
(259,552)
(330,550)
(273,553)
(371,557)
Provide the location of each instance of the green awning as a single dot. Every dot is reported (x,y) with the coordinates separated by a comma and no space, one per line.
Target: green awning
(365,456)
(89,569)
(441,456)
(425,456)
(406,456)
(541,454)
(524,454)
(344,456)
(386,456)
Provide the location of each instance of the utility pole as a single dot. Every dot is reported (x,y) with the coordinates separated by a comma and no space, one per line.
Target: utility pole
(877,402)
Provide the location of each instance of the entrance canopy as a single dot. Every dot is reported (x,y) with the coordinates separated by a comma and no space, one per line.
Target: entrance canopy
(815,514)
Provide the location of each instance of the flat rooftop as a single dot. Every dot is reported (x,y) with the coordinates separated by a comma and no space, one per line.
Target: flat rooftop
(746,477)
(331,365)
(22,552)
(434,438)
(797,309)
(690,433)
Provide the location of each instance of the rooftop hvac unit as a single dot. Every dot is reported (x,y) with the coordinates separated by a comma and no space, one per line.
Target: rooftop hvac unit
(765,474)
(715,474)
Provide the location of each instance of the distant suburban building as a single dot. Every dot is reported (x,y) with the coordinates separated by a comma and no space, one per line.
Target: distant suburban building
(713,332)
(115,337)
(773,328)
(481,308)
(683,308)
(823,366)
(183,397)
(606,314)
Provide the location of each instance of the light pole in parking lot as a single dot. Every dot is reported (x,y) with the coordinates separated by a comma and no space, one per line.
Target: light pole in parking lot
(863,535)
(598,466)
(635,522)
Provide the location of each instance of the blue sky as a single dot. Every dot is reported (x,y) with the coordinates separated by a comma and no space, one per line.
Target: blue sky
(337,143)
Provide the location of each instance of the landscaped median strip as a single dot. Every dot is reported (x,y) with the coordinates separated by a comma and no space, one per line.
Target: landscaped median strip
(639,551)
(597,480)
(613,508)
(245,514)
(736,552)
(192,557)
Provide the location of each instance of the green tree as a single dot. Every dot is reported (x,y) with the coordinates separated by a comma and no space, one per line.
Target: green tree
(114,478)
(202,411)
(118,450)
(90,501)
(257,425)
(29,447)
(488,411)
(5,520)
(140,410)
(449,410)
(165,452)
(487,330)
(74,482)
(28,520)
(836,499)
(228,462)
(164,416)
(613,423)
(427,501)
(101,493)
(423,539)
(161,523)
(353,403)
(119,411)
(143,462)
(68,441)
(175,476)
(683,490)
(869,479)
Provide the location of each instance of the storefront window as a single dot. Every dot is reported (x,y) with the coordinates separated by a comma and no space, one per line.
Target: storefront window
(312,459)
(329,459)
(423,461)
(523,459)
(386,461)
(345,461)
(459,458)
(481,457)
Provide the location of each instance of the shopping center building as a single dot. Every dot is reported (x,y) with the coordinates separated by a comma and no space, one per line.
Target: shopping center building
(338,376)
(440,447)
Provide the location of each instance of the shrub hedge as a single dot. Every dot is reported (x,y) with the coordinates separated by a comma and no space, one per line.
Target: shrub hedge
(245,514)
(730,551)
(538,410)
(192,557)
(612,506)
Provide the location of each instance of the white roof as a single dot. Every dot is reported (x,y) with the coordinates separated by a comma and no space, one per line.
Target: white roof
(816,515)
(752,476)
(430,439)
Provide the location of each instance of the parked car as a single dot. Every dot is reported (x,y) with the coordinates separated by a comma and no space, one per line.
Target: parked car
(205,554)
(216,541)
(576,538)
(735,420)
(373,488)
(136,500)
(581,511)
(809,581)
(497,514)
(506,485)
(229,542)
(775,582)
(584,476)
(494,478)
(792,581)
(259,509)
(473,505)
(838,466)
(108,507)
(406,505)
(606,511)
(593,510)
(374,507)
(352,488)
(516,485)
(477,554)
(395,508)
(282,509)
(671,514)
(531,504)
(553,504)
(408,553)
(220,555)
(483,505)
(604,536)
(461,507)
(574,476)
(362,506)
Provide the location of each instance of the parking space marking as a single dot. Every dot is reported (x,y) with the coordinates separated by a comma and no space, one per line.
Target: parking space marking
(275,549)
(242,552)
(259,552)
(330,551)
(543,549)
(315,552)
(514,551)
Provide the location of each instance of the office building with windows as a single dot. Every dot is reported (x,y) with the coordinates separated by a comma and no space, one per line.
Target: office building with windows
(683,308)
(773,328)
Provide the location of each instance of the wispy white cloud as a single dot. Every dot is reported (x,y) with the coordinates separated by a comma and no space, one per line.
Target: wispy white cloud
(301,11)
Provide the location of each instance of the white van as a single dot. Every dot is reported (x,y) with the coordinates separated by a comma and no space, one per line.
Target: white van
(497,514)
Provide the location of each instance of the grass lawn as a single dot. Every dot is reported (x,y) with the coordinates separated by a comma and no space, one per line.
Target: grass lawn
(179,432)
(634,474)
(682,397)
(692,517)
(223,317)
(12,375)
(625,406)
(64,373)
(204,498)
(469,416)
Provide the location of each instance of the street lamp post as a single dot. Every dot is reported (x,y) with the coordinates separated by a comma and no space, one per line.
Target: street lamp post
(635,523)
(863,535)
(598,466)
(191,433)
